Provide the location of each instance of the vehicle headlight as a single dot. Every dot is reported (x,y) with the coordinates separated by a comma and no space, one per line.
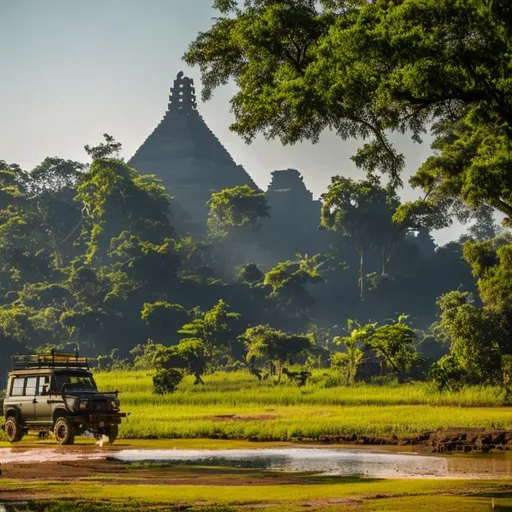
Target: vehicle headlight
(72,403)
(83,404)
(114,404)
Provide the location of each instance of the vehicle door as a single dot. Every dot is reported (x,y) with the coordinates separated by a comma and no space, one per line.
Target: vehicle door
(55,397)
(43,404)
(23,393)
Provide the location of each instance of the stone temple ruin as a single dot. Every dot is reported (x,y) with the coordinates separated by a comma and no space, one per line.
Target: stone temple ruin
(186,155)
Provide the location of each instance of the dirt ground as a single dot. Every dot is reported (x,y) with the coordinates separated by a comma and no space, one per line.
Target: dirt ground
(116,472)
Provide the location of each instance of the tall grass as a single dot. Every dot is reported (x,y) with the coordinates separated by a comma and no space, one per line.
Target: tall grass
(237,406)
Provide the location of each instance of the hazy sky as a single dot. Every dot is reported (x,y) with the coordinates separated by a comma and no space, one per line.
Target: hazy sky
(75,69)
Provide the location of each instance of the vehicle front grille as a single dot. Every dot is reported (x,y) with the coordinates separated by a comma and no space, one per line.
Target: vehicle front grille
(98,405)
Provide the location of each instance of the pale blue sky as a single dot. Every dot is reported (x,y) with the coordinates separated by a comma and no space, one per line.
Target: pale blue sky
(75,69)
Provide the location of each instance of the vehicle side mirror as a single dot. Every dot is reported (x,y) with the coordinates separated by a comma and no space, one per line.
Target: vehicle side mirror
(44,390)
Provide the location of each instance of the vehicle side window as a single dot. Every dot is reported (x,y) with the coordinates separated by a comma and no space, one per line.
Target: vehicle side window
(31,387)
(44,385)
(17,386)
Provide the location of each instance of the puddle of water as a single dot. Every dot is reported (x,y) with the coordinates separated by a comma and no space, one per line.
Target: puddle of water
(328,461)
(320,460)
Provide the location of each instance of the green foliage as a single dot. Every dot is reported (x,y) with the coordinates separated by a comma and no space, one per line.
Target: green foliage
(191,354)
(196,261)
(289,279)
(213,327)
(484,226)
(447,374)
(348,361)
(362,69)
(234,222)
(150,356)
(167,380)
(491,262)
(108,149)
(152,265)
(251,274)
(478,337)
(363,211)
(471,164)
(235,210)
(112,362)
(55,174)
(15,323)
(164,319)
(274,346)
(393,343)
(117,199)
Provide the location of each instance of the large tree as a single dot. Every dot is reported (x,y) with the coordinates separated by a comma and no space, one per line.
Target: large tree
(289,281)
(274,347)
(365,68)
(116,199)
(363,211)
(480,335)
(234,220)
(213,327)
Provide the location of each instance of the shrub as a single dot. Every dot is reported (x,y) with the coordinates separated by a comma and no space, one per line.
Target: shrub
(166,381)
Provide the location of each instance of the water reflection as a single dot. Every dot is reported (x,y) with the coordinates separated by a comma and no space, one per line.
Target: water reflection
(321,460)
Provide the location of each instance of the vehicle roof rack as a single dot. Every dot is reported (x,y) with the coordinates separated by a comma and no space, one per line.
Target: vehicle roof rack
(50,360)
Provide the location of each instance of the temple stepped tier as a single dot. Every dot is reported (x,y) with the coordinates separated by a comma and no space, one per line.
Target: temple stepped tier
(185,154)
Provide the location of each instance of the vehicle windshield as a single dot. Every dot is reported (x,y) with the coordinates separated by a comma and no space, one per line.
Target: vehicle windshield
(81,382)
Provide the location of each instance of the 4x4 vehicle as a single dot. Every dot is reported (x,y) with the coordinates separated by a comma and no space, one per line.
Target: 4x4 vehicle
(57,392)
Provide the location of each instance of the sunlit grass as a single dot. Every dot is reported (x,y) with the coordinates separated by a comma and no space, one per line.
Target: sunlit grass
(343,487)
(269,411)
(239,387)
(319,494)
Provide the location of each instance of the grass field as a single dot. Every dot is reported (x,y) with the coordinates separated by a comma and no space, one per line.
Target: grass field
(307,493)
(237,406)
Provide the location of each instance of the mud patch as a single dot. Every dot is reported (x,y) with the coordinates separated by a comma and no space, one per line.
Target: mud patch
(241,417)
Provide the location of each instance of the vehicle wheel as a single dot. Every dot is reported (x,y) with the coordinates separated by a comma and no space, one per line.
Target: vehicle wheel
(113,432)
(13,430)
(64,431)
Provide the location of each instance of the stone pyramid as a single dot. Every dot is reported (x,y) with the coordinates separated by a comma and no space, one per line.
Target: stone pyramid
(185,154)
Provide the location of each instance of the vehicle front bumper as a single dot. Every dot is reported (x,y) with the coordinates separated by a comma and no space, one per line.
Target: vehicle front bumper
(99,418)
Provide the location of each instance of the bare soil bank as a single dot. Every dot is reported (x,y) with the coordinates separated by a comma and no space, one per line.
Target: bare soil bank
(452,440)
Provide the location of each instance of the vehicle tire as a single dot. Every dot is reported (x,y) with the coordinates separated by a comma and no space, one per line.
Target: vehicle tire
(64,431)
(113,432)
(13,430)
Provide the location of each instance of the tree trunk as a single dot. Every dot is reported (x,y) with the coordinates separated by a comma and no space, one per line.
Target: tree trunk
(361,274)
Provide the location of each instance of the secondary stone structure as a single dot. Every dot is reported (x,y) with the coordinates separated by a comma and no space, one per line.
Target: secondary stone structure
(186,155)
(294,217)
